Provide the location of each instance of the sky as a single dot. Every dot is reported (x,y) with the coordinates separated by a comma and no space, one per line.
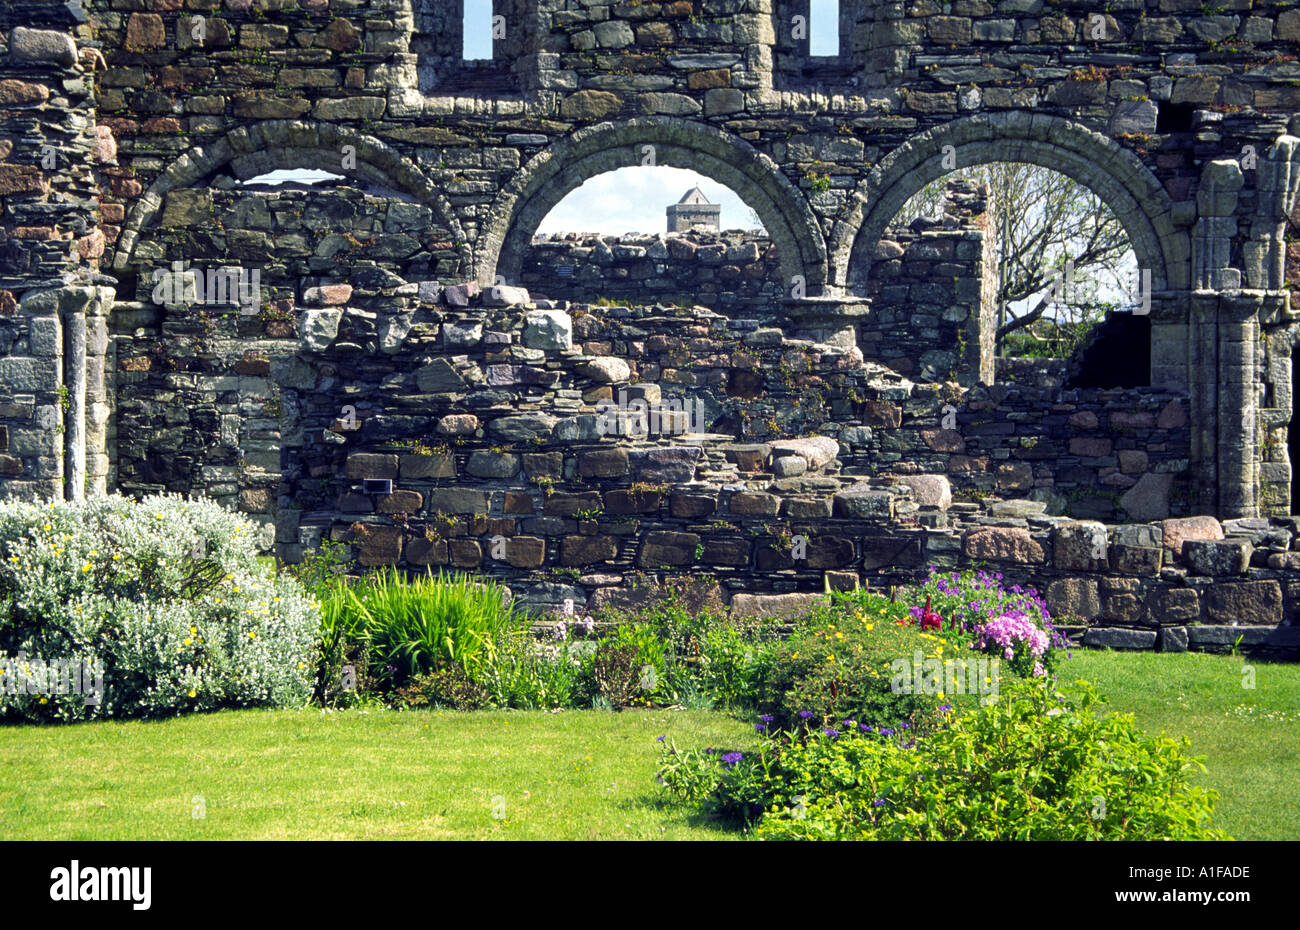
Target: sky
(478,29)
(635,200)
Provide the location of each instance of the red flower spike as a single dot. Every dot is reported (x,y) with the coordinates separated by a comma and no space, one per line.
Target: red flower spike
(929,619)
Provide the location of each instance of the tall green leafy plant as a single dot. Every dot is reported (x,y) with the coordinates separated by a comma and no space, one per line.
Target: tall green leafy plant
(414,625)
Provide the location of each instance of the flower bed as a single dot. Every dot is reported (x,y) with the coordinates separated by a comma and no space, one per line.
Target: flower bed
(1034,765)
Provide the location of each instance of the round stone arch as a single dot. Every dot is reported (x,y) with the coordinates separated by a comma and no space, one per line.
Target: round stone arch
(546,179)
(1113,173)
(254,150)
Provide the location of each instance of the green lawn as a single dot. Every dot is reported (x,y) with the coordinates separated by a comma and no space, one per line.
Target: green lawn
(1250,738)
(533,775)
(349,775)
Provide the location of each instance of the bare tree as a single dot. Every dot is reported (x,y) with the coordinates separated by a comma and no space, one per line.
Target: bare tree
(1044,222)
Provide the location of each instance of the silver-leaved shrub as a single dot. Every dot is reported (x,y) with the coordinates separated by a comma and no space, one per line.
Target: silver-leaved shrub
(113,608)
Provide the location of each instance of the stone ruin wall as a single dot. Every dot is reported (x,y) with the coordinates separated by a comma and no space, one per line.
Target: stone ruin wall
(364,310)
(732,272)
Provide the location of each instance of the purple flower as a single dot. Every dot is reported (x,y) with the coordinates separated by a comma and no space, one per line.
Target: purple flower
(760,727)
(805,714)
(945,708)
(885,731)
(660,739)
(866,729)
(878,802)
(767,718)
(849,723)
(831,733)
(905,725)
(731,758)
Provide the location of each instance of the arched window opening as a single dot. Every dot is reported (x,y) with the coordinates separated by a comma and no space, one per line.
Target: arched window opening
(652,235)
(305,176)
(1038,258)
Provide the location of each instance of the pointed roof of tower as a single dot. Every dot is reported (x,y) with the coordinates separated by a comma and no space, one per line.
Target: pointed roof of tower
(694,195)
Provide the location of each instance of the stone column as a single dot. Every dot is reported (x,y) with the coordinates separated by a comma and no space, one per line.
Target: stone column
(1238,440)
(1203,390)
(73,307)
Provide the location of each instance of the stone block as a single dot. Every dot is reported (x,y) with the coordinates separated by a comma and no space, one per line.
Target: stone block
(1217,556)
(1117,638)
(1073,598)
(379,545)
(775,606)
(361,465)
(754,504)
(1080,546)
(667,549)
(581,551)
(1245,603)
(1004,544)
(428,466)
(457,501)
(691,506)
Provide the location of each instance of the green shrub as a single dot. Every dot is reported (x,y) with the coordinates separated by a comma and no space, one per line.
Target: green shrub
(448,686)
(523,673)
(843,661)
(166,598)
(702,654)
(1032,766)
(734,659)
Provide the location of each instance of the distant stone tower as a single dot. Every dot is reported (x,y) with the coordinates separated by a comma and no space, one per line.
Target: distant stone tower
(694,209)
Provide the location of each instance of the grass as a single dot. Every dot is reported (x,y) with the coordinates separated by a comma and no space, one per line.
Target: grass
(572,775)
(1250,737)
(578,775)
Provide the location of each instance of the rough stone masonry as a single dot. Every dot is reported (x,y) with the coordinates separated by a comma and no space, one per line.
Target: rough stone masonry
(393,383)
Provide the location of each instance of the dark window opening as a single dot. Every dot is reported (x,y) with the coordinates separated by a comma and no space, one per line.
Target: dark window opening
(1174,117)
(1117,354)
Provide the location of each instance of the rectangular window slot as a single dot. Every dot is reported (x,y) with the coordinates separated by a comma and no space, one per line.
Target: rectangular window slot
(823,28)
(378,485)
(476,34)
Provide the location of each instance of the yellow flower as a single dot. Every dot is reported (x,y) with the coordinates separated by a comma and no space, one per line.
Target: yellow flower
(86,567)
(189,642)
(193,694)
(252,635)
(45,700)
(194,629)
